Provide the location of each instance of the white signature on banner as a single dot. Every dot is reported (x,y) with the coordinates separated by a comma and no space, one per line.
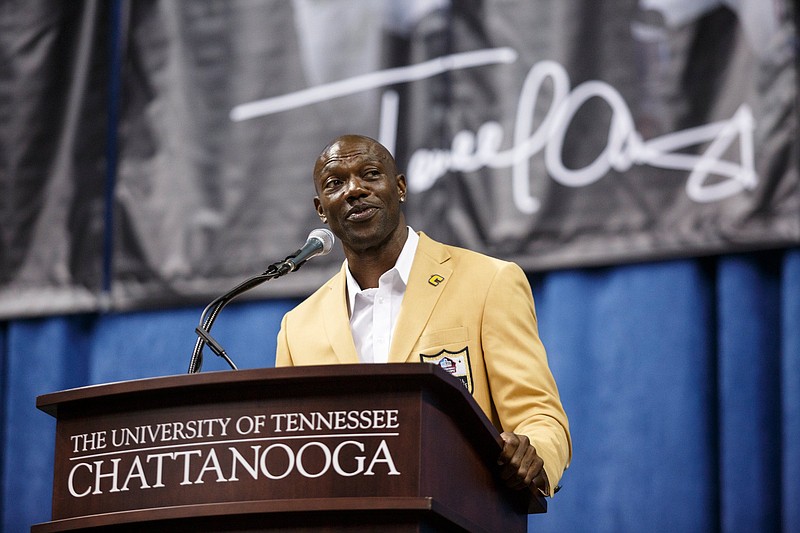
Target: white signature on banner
(470,151)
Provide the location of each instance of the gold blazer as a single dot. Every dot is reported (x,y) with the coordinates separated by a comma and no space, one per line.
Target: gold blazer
(468,312)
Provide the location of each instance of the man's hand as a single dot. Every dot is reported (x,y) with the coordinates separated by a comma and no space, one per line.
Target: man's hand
(521,465)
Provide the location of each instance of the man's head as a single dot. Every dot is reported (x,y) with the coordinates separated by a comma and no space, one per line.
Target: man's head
(359,193)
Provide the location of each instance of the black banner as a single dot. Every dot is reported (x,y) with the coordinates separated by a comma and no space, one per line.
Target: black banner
(53,130)
(555,134)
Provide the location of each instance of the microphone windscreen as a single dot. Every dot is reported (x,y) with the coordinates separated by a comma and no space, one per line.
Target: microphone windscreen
(326,237)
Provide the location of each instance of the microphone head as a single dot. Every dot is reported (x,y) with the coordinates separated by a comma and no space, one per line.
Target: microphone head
(325,236)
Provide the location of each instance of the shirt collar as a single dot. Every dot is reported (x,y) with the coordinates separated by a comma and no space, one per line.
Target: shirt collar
(402,266)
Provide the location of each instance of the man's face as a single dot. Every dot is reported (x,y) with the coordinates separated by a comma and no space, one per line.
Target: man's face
(359,192)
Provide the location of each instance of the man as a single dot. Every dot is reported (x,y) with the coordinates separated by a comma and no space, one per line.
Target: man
(402,297)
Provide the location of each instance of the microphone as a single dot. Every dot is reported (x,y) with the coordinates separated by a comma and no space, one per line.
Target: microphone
(319,242)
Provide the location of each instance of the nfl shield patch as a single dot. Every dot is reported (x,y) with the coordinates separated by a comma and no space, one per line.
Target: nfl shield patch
(456,363)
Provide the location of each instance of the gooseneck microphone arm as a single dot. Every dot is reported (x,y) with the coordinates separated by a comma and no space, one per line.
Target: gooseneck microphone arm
(212,311)
(319,242)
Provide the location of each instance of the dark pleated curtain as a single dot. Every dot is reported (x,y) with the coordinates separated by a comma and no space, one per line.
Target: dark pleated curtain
(681,380)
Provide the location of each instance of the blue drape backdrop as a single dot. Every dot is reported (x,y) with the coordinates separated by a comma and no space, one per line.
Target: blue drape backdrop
(681,380)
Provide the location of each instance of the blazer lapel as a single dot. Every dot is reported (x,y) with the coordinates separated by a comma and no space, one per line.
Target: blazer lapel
(337,321)
(426,282)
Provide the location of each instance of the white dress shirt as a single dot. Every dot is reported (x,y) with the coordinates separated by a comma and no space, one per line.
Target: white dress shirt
(373,312)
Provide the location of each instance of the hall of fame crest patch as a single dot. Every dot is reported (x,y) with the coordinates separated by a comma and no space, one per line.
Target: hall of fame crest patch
(455,363)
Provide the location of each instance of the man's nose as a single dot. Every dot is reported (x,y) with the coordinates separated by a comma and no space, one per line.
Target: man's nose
(356,187)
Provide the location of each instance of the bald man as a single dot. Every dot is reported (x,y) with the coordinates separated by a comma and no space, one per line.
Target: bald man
(403,297)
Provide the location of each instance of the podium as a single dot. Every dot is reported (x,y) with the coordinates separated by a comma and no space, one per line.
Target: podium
(393,447)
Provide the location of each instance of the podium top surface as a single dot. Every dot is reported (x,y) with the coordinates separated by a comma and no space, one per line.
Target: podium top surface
(280,381)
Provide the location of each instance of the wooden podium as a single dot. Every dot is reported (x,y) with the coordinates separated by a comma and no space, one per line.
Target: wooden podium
(395,447)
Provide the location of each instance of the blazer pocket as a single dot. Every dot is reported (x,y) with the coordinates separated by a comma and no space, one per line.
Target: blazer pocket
(443,338)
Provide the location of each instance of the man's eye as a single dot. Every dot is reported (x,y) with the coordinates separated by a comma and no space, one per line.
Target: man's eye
(332,183)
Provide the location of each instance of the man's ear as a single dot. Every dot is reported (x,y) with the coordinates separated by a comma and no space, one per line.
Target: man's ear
(318,207)
(401,187)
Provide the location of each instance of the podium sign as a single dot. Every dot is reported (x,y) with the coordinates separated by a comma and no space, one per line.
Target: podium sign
(352,445)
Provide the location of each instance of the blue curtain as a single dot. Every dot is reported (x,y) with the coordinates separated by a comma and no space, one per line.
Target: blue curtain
(681,380)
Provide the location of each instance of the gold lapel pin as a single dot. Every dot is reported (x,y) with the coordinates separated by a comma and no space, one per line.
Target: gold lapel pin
(435,280)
